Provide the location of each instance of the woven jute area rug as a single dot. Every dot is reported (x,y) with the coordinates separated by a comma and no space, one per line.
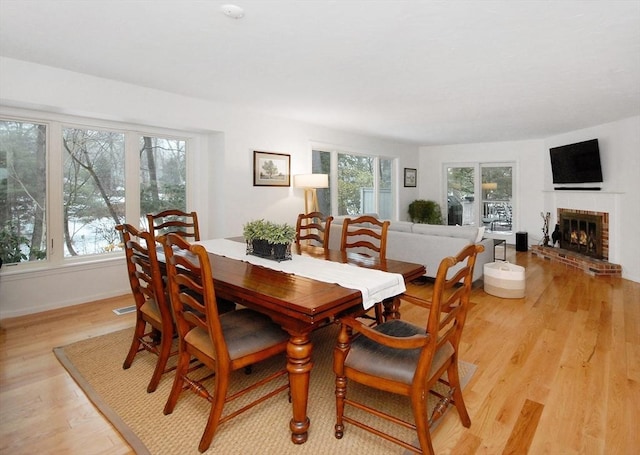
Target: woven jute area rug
(96,365)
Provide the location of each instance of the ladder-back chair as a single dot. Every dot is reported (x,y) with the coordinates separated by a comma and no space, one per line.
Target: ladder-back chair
(222,342)
(402,358)
(152,306)
(176,221)
(366,235)
(315,227)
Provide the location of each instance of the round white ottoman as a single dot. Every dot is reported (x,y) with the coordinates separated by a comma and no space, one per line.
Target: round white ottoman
(504,279)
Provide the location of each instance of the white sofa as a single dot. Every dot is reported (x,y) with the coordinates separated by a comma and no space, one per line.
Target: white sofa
(427,244)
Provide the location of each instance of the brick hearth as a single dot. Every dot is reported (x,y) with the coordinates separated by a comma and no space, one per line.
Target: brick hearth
(594,267)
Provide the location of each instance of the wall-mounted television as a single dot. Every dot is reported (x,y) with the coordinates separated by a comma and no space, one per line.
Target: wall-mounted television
(576,163)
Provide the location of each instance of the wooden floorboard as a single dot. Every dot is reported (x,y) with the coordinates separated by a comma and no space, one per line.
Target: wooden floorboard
(524,428)
(558,371)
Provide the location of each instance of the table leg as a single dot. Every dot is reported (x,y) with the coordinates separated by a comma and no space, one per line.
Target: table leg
(299,367)
(391,308)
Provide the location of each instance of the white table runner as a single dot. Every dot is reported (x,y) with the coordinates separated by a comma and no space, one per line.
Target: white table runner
(375,285)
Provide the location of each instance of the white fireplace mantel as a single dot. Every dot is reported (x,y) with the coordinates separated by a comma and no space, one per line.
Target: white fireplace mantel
(597,201)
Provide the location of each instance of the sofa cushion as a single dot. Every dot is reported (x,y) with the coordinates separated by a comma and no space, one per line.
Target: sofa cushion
(340,218)
(402,226)
(463,232)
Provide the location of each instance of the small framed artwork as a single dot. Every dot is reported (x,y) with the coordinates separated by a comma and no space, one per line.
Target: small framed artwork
(271,169)
(410,177)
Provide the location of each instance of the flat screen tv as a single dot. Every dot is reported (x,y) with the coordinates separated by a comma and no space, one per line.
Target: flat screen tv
(576,163)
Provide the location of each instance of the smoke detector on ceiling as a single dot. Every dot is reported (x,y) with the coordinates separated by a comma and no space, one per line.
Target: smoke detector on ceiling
(232,11)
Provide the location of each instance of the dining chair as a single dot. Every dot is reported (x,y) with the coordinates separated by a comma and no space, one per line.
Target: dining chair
(223,343)
(366,235)
(315,227)
(173,220)
(154,327)
(402,358)
(184,224)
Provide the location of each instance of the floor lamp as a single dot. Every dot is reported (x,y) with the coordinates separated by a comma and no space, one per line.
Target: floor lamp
(310,182)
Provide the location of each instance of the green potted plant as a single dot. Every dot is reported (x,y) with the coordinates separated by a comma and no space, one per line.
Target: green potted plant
(254,230)
(426,212)
(268,239)
(280,234)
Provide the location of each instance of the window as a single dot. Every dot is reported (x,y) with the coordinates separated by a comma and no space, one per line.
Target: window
(93,190)
(321,164)
(163,175)
(364,183)
(23,192)
(385,189)
(355,184)
(494,182)
(63,188)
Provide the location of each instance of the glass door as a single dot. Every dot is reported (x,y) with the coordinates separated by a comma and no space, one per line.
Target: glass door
(497,196)
(461,195)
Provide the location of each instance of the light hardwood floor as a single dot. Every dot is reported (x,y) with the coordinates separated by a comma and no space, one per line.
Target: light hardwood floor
(558,372)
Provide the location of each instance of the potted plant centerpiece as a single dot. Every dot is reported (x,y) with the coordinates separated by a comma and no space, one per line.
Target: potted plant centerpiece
(268,239)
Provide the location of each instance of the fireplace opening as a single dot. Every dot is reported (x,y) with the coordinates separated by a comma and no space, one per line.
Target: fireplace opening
(584,232)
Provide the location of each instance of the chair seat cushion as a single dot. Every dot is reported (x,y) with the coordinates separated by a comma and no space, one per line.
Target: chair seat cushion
(399,365)
(245,332)
(150,308)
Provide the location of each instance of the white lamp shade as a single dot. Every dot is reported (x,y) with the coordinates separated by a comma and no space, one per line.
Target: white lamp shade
(311,181)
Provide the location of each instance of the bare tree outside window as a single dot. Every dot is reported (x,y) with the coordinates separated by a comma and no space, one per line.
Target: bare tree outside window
(93,190)
(163,175)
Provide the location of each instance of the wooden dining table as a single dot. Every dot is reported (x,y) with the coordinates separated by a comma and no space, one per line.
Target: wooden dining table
(300,305)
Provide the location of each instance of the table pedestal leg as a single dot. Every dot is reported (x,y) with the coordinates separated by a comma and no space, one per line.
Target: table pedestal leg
(299,366)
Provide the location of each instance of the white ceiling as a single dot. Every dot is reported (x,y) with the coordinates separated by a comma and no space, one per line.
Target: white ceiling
(427,72)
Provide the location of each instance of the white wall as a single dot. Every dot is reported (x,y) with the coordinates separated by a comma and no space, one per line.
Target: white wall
(224,140)
(620,195)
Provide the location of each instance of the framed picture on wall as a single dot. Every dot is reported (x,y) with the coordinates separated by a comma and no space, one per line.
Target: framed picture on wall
(271,169)
(410,177)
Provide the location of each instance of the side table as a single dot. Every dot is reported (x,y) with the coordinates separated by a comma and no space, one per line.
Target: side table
(502,242)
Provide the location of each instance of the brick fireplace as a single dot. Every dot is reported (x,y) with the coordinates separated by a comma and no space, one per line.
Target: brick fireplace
(585,232)
(583,242)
